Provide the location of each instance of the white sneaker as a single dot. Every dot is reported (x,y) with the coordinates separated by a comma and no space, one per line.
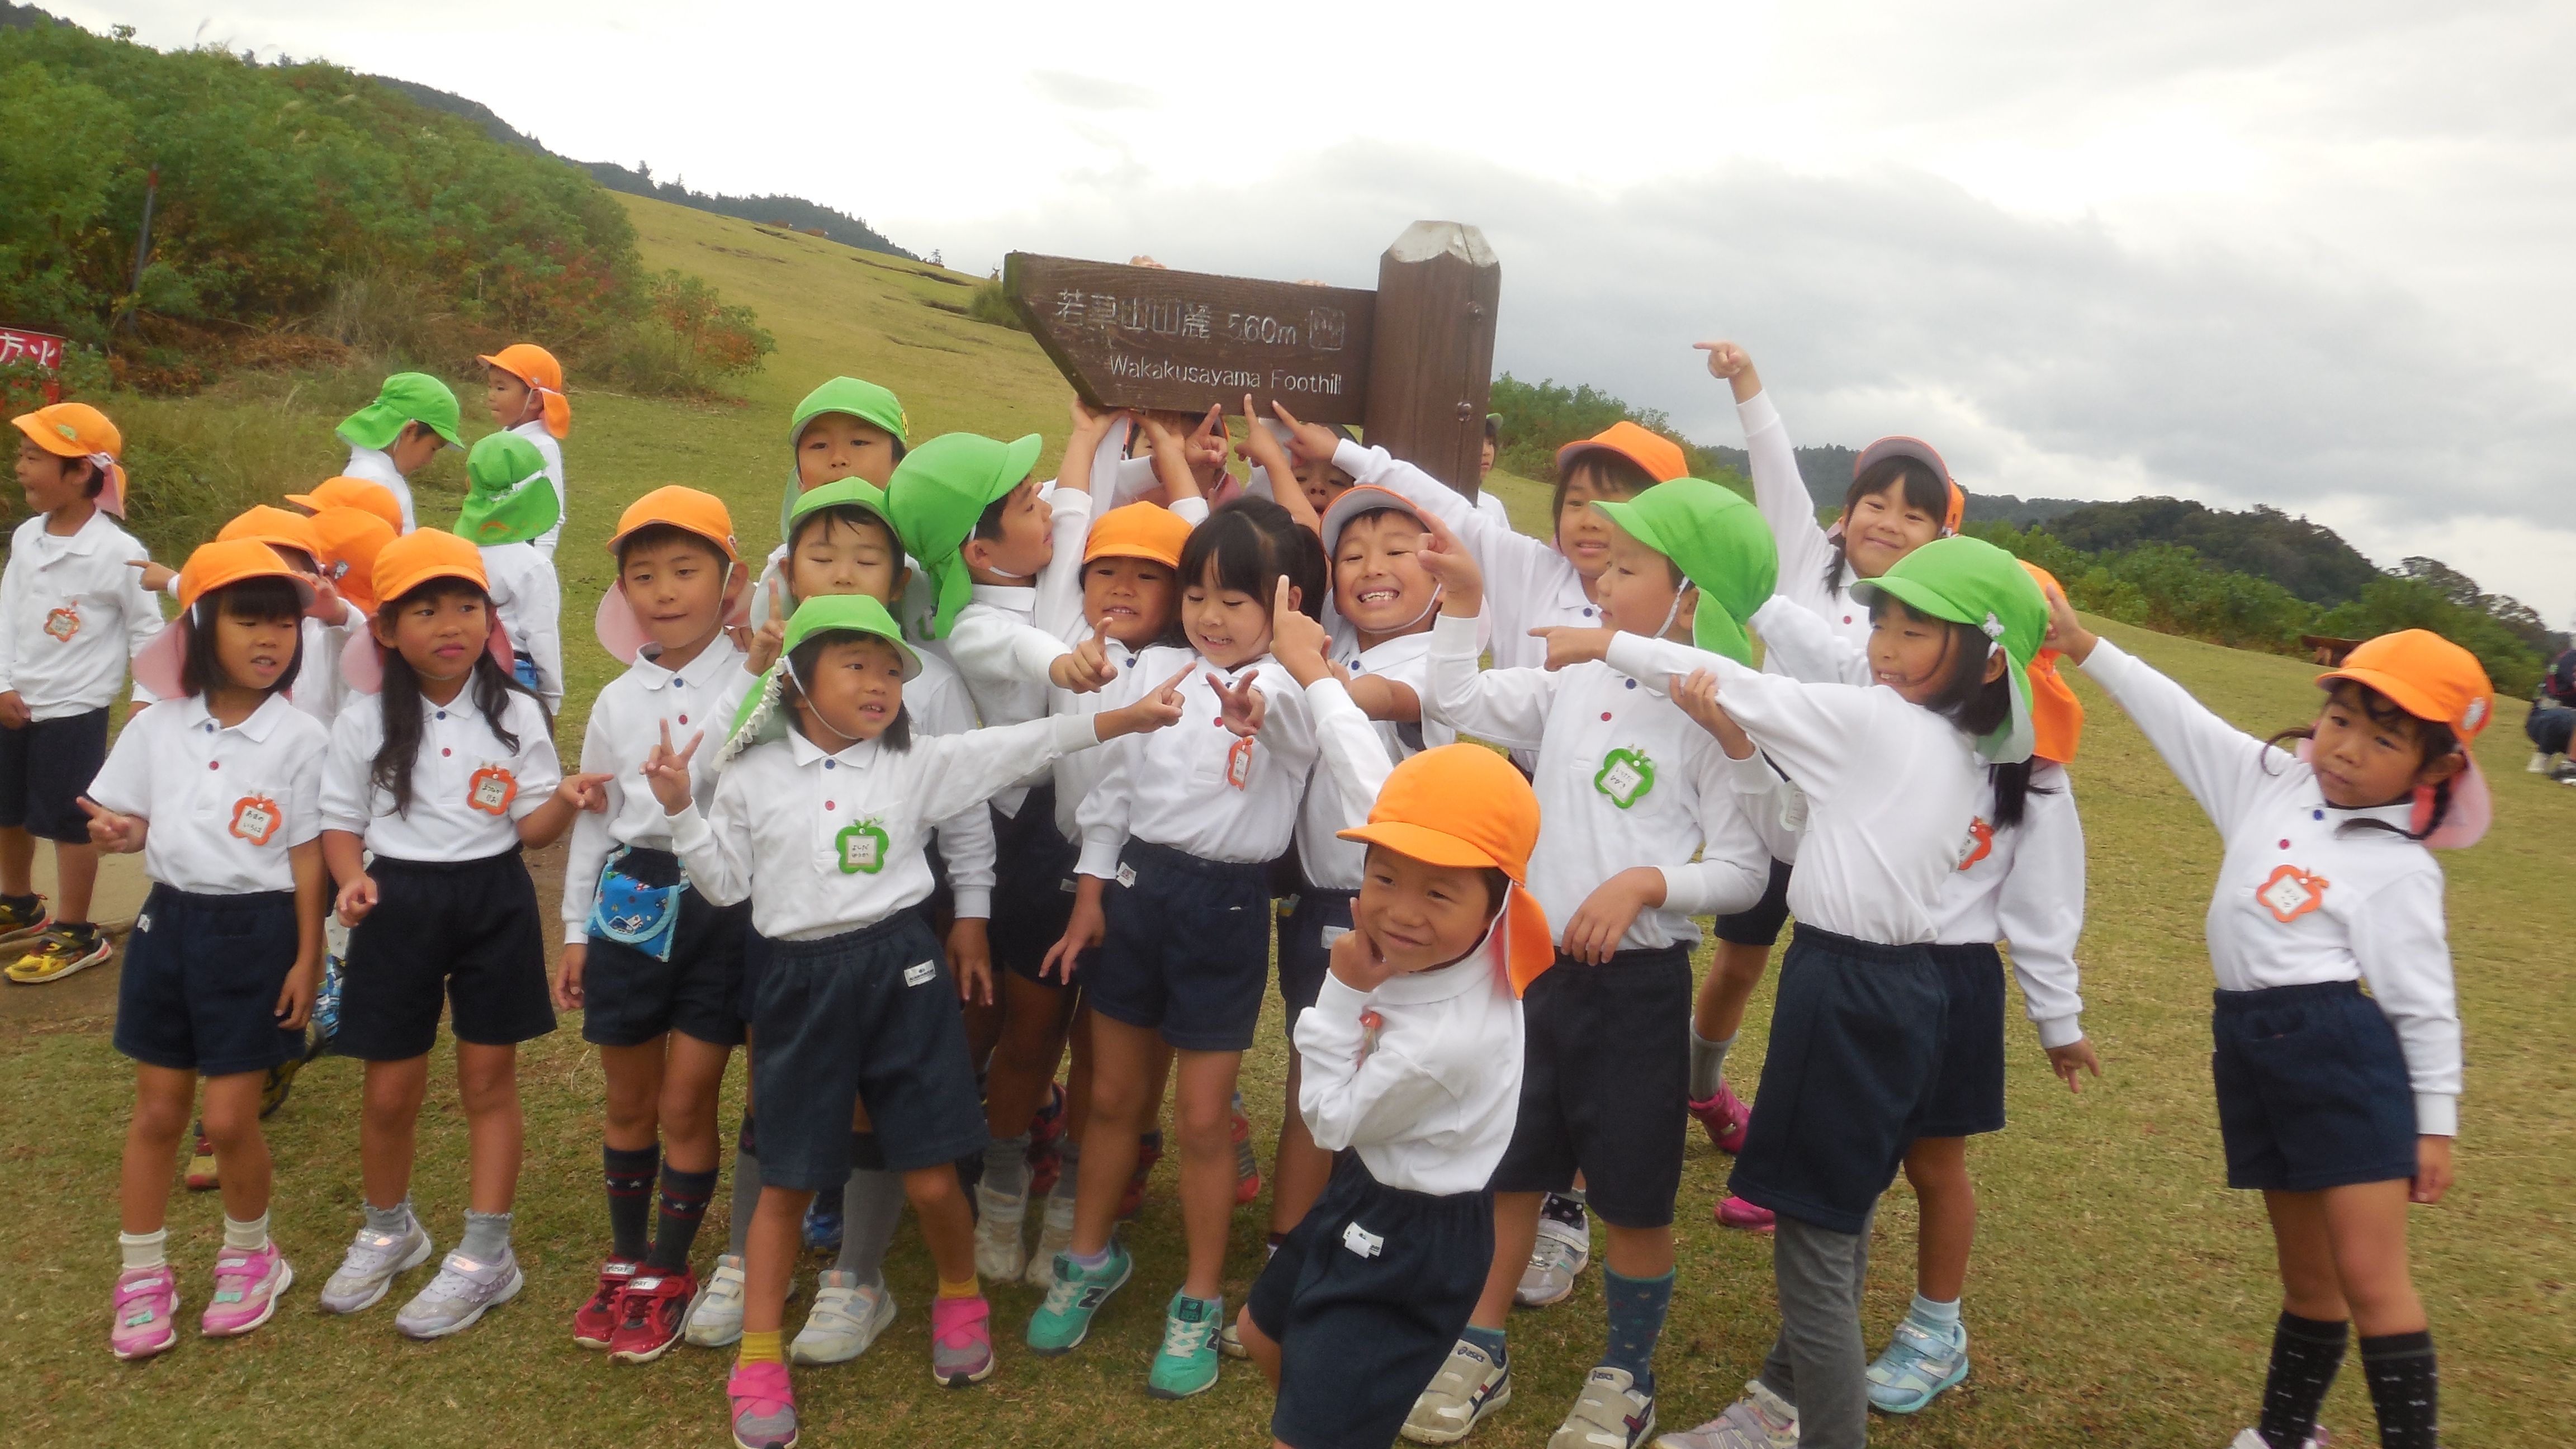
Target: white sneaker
(848,1315)
(715,1320)
(373,1261)
(1055,1235)
(2250,1439)
(1469,1386)
(1609,1414)
(1759,1420)
(1000,1251)
(1563,1251)
(457,1298)
(2539,766)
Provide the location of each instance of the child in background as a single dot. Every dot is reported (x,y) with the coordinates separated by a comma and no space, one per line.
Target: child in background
(509,504)
(2339,1107)
(355,493)
(1187,823)
(1487,503)
(523,386)
(414,415)
(227,951)
(857,1005)
(71,612)
(443,767)
(1639,831)
(297,538)
(350,538)
(655,967)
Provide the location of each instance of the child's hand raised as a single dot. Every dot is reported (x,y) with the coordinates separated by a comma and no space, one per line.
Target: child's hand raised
(357,898)
(1462,584)
(767,644)
(1090,423)
(1206,446)
(2066,633)
(1087,668)
(1358,963)
(1161,707)
(588,792)
(2071,1061)
(1313,441)
(1297,641)
(1732,363)
(110,831)
(1243,707)
(1568,645)
(667,771)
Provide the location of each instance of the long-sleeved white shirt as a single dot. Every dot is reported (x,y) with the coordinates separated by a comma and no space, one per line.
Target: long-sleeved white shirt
(1197,786)
(1326,860)
(1429,1095)
(1077,775)
(1791,511)
(2308,892)
(468,789)
(823,844)
(319,690)
(1890,787)
(1624,779)
(73,613)
(530,600)
(548,448)
(225,802)
(377,466)
(626,722)
(1006,638)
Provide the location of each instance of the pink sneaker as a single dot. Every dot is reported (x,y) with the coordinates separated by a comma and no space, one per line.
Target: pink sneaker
(1725,1117)
(961,1341)
(147,1312)
(247,1287)
(1735,1212)
(764,1406)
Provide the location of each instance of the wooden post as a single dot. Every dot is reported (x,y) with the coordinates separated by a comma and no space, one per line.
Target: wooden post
(1431,362)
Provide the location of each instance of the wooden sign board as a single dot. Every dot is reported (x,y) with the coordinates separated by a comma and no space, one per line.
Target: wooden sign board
(1410,362)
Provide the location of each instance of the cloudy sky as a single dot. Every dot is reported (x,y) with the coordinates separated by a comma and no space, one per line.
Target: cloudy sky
(2306,253)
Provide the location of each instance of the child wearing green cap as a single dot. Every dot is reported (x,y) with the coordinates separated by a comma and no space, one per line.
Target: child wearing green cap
(1640,829)
(1890,775)
(509,504)
(857,1005)
(414,415)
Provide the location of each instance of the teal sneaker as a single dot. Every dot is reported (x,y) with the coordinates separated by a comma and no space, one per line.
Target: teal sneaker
(1921,1363)
(1186,1363)
(1076,1294)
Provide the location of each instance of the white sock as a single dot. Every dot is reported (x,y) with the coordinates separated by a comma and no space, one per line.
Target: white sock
(1938,1315)
(145,1250)
(250,1237)
(1707,1065)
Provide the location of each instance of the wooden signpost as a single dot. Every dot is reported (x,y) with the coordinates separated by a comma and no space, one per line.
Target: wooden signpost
(1410,363)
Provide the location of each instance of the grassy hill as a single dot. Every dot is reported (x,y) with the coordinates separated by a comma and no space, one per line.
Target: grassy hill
(2120,1297)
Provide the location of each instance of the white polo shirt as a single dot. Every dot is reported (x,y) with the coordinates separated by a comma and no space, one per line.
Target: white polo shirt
(551,450)
(1326,860)
(226,803)
(1197,786)
(377,466)
(468,789)
(1007,636)
(73,611)
(530,601)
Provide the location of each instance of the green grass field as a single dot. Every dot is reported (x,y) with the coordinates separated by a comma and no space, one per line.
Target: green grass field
(2120,1295)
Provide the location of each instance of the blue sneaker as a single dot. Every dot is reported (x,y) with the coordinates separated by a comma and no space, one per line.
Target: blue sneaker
(823,1222)
(1920,1364)
(1186,1364)
(1077,1293)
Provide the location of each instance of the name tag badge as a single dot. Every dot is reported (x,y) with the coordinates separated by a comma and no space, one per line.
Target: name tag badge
(1238,764)
(61,624)
(255,819)
(862,848)
(1127,875)
(920,973)
(1363,1242)
(491,790)
(1625,776)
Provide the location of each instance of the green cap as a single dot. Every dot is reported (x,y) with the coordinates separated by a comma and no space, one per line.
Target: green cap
(863,400)
(1720,544)
(939,490)
(508,497)
(762,716)
(407,397)
(841,493)
(1970,581)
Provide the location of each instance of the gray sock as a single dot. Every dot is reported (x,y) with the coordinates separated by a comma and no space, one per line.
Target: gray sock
(1707,1065)
(487,1235)
(871,1209)
(1006,1166)
(746,1199)
(395,1220)
(1070,1174)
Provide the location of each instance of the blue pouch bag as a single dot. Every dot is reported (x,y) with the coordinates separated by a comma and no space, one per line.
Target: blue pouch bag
(642,917)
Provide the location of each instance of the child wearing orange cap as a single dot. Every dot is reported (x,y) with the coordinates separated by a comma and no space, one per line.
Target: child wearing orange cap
(2339,1107)
(72,611)
(221,789)
(358,493)
(444,769)
(523,385)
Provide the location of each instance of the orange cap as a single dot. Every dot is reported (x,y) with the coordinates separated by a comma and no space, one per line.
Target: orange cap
(345,492)
(2056,715)
(1660,456)
(537,367)
(351,539)
(1464,806)
(161,664)
(274,526)
(1138,530)
(77,430)
(687,509)
(416,558)
(2425,675)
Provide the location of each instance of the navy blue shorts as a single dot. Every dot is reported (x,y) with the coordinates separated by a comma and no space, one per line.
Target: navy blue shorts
(1855,1047)
(867,1016)
(1759,924)
(1364,1298)
(202,974)
(630,996)
(1605,1085)
(1188,949)
(2550,730)
(1033,885)
(464,934)
(1968,1091)
(1317,918)
(2312,1088)
(44,766)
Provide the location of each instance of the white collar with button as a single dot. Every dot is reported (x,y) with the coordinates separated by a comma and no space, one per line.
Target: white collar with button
(256,728)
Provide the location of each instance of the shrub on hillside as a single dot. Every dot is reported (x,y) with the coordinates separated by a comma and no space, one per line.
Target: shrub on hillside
(688,341)
(990,303)
(1541,417)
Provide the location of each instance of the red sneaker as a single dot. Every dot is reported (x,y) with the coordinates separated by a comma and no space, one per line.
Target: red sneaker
(1148,1152)
(1046,1144)
(595,1322)
(1725,1118)
(651,1313)
(1735,1212)
(1247,1167)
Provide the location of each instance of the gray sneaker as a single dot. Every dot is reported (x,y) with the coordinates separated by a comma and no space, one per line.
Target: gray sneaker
(847,1317)
(1609,1414)
(1759,1420)
(1469,1386)
(373,1261)
(455,1298)
(1562,1252)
